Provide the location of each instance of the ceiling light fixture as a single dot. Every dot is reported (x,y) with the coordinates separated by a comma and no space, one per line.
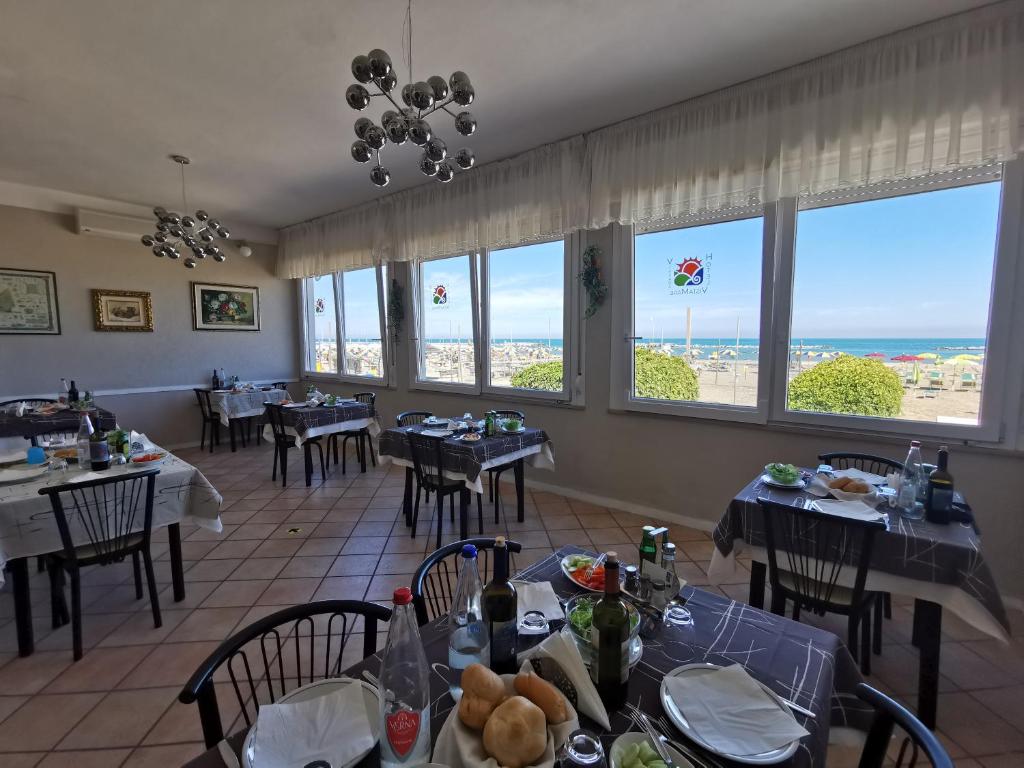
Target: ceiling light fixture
(174,231)
(421,100)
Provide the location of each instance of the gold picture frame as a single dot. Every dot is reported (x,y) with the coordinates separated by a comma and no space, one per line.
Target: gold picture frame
(122,310)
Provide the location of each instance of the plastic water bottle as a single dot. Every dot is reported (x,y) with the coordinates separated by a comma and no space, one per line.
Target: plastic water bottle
(404,690)
(910,484)
(467,639)
(85,431)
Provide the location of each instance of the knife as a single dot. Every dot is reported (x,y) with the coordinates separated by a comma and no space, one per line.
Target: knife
(655,738)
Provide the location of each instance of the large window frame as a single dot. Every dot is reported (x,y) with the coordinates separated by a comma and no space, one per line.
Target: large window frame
(307,325)
(1000,413)
(572,391)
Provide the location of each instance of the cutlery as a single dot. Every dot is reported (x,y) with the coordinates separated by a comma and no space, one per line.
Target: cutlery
(699,758)
(370,678)
(797,708)
(593,566)
(655,738)
(227,754)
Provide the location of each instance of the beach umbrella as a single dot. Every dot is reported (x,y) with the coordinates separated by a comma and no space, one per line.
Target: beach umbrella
(928,355)
(907,358)
(729,352)
(874,354)
(972,358)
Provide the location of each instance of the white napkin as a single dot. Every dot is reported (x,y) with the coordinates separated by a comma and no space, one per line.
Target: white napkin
(856,510)
(859,474)
(732,712)
(295,405)
(85,476)
(562,648)
(436,432)
(537,597)
(333,727)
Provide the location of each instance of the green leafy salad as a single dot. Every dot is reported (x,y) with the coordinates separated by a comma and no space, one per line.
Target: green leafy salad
(582,616)
(783,473)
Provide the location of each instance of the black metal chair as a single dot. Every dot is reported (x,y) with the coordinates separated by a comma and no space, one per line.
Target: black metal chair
(409,419)
(261,421)
(283,440)
(865,462)
(361,436)
(209,416)
(106,515)
(428,462)
(918,738)
(278,653)
(434,583)
(280,385)
(494,473)
(815,550)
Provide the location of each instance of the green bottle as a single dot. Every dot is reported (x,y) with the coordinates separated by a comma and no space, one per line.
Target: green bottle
(609,640)
(648,547)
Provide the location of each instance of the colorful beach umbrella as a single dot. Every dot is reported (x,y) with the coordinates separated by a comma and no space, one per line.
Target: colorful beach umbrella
(907,358)
(874,354)
(973,358)
(928,355)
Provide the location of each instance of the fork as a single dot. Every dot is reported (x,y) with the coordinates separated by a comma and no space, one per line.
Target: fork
(637,715)
(593,566)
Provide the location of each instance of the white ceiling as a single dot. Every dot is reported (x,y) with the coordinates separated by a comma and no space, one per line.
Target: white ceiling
(95,95)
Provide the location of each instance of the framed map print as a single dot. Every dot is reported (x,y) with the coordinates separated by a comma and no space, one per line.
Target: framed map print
(122,310)
(217,307)
(28,302)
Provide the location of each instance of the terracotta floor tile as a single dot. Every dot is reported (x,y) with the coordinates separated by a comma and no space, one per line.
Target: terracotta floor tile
(342,588)
(10,703)
(236,593)
(289,591)
(364,545)
(164,756)
(307,567)
(121,719)
(253,531)
(975,727)
(383,586)
(317,546)
(207,624)
(333,530)
(33,673)
(372,529)
(354,565)
(139,629)
(399,563)
(259,568)
(101,669)
(23,759)
(168,664)
(234,549)
(278,548)
(212,570)
(99,758)
(33,727)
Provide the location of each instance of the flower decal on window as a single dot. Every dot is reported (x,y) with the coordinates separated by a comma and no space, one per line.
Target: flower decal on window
(689,272)
(440,295)
(320,306)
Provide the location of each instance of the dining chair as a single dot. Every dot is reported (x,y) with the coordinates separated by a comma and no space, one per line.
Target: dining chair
(917,739)
(361,436)
(428,462)
(433,584)
(809,553)
(208,416)
(409,419)
(283,440)
(494,473)
(866,462)
(280,652)
(107,517)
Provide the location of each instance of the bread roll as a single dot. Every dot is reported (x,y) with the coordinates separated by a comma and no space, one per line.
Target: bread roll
(840,483)
(516,733)
(482,691)
(544,695)
(857,486)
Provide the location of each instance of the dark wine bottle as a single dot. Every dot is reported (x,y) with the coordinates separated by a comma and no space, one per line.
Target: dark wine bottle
(499,609)
(939,499)
(609,639)
(215,381)
(73,393)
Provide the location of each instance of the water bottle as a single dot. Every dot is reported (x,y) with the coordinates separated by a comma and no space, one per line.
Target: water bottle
(85,431)
(404,690)
(467,639)
(910,484)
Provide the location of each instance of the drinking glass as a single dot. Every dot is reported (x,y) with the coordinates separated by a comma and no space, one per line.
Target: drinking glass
(532,631)
(582,750)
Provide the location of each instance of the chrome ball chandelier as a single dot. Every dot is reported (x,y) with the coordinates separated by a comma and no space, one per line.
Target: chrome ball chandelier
(177,232)
(408,123)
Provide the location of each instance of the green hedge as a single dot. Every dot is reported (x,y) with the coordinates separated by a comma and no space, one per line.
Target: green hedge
(658,376)
(547,376)
(847,384)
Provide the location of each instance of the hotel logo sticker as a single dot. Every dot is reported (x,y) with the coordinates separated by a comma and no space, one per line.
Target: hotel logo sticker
(440,295)
(690,277)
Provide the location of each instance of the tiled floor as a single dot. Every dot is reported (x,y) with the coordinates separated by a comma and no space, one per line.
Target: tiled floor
(344,538)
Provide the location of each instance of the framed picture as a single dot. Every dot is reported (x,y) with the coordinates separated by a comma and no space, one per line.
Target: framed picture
(28,302)
(217,307)
(122,310)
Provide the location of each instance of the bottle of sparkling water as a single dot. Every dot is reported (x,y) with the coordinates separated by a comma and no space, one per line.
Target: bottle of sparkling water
(910,484)
(404,690)
(468,642)
(84,450)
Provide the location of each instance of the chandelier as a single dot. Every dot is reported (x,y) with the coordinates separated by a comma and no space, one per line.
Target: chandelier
(176,232)
(409,123)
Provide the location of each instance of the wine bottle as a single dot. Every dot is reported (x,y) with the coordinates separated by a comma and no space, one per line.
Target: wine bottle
(499,609)
(215,381)
(609,639)
(73,393)
(939,501)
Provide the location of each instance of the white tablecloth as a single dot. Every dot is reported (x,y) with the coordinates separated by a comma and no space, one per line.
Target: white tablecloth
(540,456)
(28,528)
(239,405)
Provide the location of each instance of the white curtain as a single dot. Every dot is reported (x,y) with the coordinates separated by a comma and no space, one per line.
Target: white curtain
(356,237)
(941,96)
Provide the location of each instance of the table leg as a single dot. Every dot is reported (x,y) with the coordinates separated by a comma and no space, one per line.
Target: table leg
(464,513)
(407,498)
(520,473)
(174,551)
(18,568)
(231,433)
(757,573)
(929,643)
(307,459)
(362,453)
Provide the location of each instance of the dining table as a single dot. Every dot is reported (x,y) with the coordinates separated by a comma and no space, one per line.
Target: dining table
(941,566)
(806,665)
(468,461)
(28,527)
(64,420)
(234,404)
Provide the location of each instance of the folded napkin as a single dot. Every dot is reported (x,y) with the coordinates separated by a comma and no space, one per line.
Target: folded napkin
(732,713)
(333,727)
(859,474)
(436,432)
(562,648)
(295,405)
(86,476)
(537,597)
(856,510)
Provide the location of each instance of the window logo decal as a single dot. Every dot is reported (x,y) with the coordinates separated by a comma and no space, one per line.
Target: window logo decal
(440,295)
(690,275)
(320,306)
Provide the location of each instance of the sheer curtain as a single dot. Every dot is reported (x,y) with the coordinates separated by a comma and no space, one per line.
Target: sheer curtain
(356,237)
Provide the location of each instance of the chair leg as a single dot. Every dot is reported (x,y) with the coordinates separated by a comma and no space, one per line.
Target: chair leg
(277,450)
(451,507)
(151,582)
(778,603)
(323,464)
(202,436)
(416,514)
(439,514)
(76,613)
(284,466)
(490,488)
(865,641)
(57,606)
(214,433)
(480,512)
(137,571)
(887,600)
(344,454)
(876,641)
(796,611)
(851,636)
(369,446)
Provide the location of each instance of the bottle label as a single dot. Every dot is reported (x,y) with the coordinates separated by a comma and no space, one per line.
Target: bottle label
(623,655)
(402,727)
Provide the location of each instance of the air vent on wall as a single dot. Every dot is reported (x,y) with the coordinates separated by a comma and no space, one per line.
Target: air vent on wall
(89,222)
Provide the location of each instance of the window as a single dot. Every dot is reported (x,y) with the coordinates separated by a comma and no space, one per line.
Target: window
(344,320)
(446,347)
(697,313)
(891,306)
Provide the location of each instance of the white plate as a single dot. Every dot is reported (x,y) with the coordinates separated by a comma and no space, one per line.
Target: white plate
(797,486)
(628,739)
(470,437)
(21,473)
(679,720)
(322,688)
(568,574)
(507,431)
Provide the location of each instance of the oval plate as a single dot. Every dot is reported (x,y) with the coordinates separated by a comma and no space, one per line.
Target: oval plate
(627,739)
(680,722)
(799,485)
(320,688)
(568,574)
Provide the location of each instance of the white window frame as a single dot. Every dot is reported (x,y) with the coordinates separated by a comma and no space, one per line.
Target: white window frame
(307,325)
(1002,419)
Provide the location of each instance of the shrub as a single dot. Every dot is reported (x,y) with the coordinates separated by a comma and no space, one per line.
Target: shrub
(547,376)
(850,385)
(663,377)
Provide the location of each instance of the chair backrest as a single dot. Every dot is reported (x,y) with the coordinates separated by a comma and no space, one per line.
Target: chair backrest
(280,385)
(815,549)
(280,652)
(866,462)
(918,738)
(428,455)
(365,397)
(434,583)
(408,418)
(275,417)
(33,402)
(511,414)
(203,396)
(106,511)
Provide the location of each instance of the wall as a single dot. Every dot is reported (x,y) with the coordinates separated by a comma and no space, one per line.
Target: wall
(691,468)
(172,355)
